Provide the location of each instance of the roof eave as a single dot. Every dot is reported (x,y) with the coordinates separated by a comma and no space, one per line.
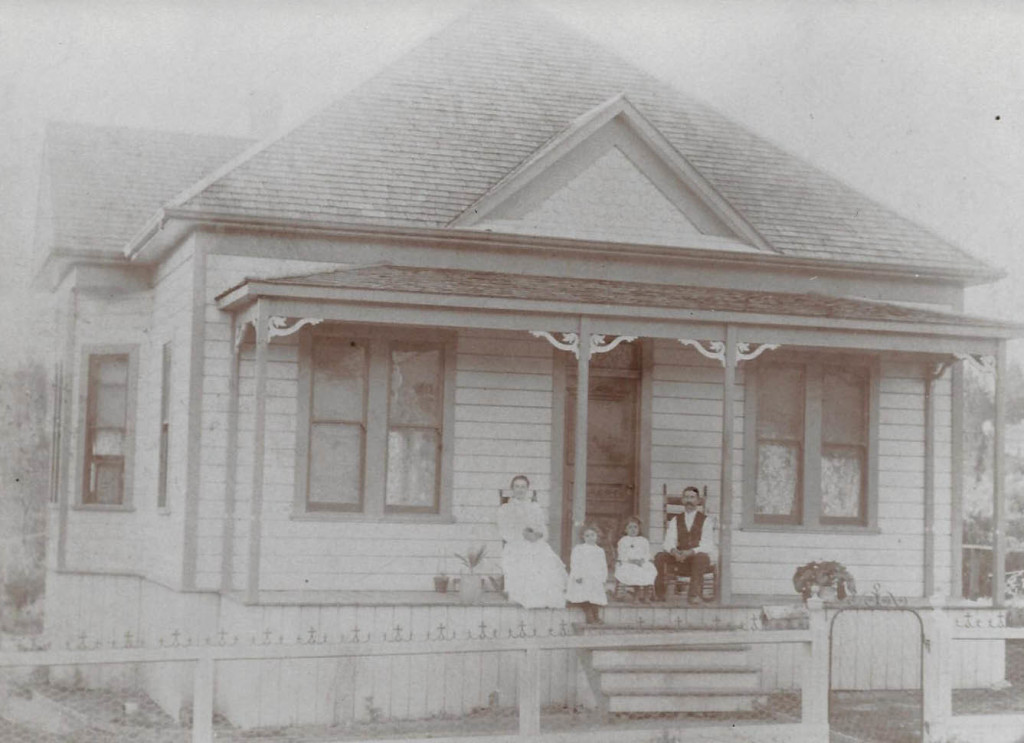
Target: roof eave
(243,295)
(170,224)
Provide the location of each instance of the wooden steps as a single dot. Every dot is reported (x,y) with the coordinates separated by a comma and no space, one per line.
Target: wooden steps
(674,679)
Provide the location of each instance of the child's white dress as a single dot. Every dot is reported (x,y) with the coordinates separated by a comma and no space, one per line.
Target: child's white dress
(629,574)
(588,572)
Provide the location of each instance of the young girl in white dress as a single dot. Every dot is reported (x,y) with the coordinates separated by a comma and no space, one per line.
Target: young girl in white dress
(633,566)
(588,571)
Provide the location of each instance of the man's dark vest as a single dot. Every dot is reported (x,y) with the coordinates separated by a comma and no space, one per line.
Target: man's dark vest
(689,540)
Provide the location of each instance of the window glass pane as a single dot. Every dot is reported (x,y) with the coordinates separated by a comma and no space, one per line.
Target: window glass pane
(777,468)
(843,407)
(339,380)
(107,442)
(335,463)
(108,480)
(111,403)
(111,370)
(780,403)
(416,387)
(842,480)
(412,468)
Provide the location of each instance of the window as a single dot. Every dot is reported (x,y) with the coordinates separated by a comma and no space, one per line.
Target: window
(374,423)
(808,443)
(107,431)
(165,426)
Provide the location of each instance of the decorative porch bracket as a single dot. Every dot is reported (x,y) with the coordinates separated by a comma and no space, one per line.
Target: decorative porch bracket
(240,332)
(571,341)
(278,325)
(715,350)
(979,361)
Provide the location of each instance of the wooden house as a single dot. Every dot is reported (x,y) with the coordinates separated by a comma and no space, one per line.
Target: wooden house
(294,376)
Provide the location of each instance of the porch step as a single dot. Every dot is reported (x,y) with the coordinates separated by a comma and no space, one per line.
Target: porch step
(669,682)
(708,700)
(677,678)
(719,657)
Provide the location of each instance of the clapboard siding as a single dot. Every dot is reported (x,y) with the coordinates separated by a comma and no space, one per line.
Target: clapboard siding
(893,558)
(503,399)
(686,427)
(111,541)
(223,272)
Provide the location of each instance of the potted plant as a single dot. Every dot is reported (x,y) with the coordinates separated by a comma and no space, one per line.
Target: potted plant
(827,579)
(441,583)
(470,587)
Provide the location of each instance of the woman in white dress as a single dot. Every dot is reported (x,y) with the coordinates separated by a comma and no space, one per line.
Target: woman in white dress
(633,565)
(587,574)
(534,574)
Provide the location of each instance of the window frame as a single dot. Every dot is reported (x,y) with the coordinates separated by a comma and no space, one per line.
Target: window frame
(809,508)
(378,342)
(131,396)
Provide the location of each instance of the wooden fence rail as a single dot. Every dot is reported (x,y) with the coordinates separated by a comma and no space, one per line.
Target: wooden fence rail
(940,633)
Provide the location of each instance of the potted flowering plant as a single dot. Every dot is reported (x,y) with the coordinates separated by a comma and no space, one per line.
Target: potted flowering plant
(828,579)
(470,587)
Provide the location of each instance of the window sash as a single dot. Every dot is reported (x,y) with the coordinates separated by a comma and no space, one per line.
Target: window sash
(107,440)
(814,462)
(380,425)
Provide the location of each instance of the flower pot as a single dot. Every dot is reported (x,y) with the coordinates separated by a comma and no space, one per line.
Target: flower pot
(441,583)
(827,593)
(470,589)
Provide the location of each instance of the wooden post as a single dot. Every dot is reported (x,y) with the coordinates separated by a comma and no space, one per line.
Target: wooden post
(936,680)
(529,692)
(725,508)
(814,688)
(929,483)
(579,474)
(202,701)
(956,521)
(227,566)
(999,483)
(252,589)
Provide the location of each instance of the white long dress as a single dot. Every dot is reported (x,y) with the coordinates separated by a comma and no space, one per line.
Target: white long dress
(534,574)
(626,572)
(587,574)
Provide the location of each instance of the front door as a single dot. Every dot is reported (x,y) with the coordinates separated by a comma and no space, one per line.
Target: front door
(612,424)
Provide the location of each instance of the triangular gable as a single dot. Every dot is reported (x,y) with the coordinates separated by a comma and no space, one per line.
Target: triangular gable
(611,176)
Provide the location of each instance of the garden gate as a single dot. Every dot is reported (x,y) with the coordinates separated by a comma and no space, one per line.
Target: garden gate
(876,654)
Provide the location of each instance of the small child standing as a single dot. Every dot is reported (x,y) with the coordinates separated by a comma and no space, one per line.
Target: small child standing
(588,571)
(633,566)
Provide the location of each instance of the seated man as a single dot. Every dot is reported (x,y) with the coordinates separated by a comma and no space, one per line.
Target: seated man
(689,548)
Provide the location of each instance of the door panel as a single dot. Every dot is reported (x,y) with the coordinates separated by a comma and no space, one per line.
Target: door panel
(611,455)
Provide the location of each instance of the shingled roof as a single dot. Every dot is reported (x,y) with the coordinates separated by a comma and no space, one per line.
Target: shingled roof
(104,182)
(416,145)
(575,291)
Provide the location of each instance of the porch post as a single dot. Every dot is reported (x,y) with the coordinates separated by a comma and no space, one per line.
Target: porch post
(231,459)
(957,474)
(252,588)
(725,509)
(579,473)
(998,482)
(929,482)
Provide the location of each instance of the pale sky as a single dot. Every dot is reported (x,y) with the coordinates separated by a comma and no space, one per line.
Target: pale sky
(920,105)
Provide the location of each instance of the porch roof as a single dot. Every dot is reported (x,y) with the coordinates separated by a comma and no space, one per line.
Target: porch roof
(402,282)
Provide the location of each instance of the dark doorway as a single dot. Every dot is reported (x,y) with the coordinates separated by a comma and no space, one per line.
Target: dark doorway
(612,443)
